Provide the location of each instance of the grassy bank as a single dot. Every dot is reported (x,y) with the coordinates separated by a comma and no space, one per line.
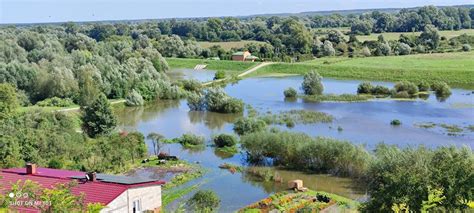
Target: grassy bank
(456,69)
(231,67)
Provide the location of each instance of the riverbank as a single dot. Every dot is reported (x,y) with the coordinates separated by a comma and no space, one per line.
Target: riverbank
(456,69)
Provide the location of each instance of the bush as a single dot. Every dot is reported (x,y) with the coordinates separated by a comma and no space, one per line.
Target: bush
(55,102)
(233,105)
(191,85)
(300,151)
(204,201)
(219,75)
(409,87)
(441,89)
(215,100)
(402,94)
(248,125)
(225,140)
(366,52)
(290,93)
(191,139)
(134,99)
(402,49)
(312,83)
(423,86)
(364,88)
(395,122)
(380,90)
(466,47)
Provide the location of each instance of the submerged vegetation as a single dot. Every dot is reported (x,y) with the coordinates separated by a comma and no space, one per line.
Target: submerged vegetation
(390,172)
(405,90)
(215,100)
(300,151)
(292,117)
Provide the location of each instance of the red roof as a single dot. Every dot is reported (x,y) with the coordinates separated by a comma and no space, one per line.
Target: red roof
(94,192)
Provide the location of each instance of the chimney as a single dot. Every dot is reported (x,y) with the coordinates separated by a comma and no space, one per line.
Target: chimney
(91,176)
(30,168)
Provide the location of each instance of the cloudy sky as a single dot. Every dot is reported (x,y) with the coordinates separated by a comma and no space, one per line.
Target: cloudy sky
(34,11)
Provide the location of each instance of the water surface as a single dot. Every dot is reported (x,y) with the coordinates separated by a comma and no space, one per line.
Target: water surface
(366,123)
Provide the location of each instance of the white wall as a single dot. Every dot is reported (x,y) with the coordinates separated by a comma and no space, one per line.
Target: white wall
(150,199)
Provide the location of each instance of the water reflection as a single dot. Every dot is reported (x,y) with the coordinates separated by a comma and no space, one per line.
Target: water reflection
(211,119)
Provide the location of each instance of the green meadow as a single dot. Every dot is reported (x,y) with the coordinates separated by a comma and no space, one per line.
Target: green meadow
(456,69)
(232,67)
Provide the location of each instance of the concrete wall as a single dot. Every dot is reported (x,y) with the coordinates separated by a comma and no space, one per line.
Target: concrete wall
(150,199)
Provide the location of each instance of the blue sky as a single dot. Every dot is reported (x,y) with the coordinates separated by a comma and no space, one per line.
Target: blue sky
(34,11)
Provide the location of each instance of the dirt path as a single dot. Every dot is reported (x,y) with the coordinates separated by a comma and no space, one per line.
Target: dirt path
(253,69)
(77,108)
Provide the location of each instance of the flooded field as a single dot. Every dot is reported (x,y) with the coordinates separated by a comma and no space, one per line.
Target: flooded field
(366,123)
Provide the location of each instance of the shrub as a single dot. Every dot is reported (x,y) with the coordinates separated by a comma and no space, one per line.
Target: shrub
(55,102)
(215,100)
(248,125)
(441,89)
(395,122)
(191,85)
(466,47)
(134,99)
(191,139)
(219,75)
(302,152)
(423,86)
(406,86)
(402,49)
(204,201)
(380,90)
(364,88)
(290,93)
(312,83)
(225,140)
(402,94)
(366,52)
(233,105)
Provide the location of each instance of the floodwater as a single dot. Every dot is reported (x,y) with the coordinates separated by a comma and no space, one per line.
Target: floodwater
(366,123)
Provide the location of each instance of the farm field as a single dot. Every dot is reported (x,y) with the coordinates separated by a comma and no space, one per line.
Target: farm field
(227,45)
(456,69)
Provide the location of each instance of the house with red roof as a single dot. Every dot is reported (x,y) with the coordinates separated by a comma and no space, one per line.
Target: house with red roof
(116,193)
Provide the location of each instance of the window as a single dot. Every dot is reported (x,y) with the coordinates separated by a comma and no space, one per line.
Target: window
(137,206)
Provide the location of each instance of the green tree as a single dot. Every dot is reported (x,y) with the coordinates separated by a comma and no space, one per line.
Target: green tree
(156,140)
(430,37)
(312,83)
(88,88)
(98,118)
(8,100)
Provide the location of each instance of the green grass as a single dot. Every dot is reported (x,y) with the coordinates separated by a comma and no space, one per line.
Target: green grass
(227,45)
(456,69)
(169,196)
(230,67)
(231,150)
(337,98)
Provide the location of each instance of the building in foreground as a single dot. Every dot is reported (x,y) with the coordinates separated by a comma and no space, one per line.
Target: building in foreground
(117,193)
